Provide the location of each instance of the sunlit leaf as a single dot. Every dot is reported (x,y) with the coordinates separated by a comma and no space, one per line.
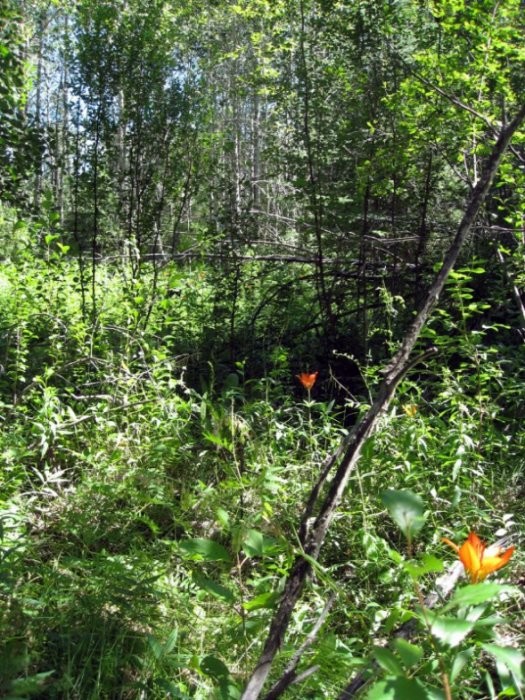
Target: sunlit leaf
(406,510)
(264,600)
(429,564)
(214,588)
(386,659)
(253,543)
(403,689)
(512,658)
(460,661)
(209,550)
(450,630)
(410,654)
(478,593)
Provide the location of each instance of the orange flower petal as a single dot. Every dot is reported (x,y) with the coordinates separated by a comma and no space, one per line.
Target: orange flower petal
(469,556)
(490,564)
(307,380)
(480,561)
(476,544)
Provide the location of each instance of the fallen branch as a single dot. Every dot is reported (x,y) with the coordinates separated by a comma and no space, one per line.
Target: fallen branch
(349,452)
(290,675)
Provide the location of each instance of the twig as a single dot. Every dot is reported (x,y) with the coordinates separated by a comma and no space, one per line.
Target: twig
(453,99)
(290,675)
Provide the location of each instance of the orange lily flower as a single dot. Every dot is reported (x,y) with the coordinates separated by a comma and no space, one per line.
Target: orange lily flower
(307,380)
(478,559)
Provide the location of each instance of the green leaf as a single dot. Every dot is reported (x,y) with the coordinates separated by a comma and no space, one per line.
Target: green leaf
(209,550)
(253,544)
(460,661)
(387,661)
(403,689)
(429,564)
(264,600)
(478,593)
(214,588)
(162,649)
(406,510)
(410,654)
(450,630)
(223,518)
(214,667)
(31,684)
(512,658)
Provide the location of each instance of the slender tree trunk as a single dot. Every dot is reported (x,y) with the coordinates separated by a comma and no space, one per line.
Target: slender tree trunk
(423,229)
(256,150)
(96,213)
(76,204)
(37,191)
(313,181)
(362,286)
(349,451)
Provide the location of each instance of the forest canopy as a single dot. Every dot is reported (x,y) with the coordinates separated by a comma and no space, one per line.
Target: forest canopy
(262,329)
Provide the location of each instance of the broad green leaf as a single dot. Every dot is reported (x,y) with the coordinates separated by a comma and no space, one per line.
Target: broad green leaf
(264,600)
(214,667)
(460,661)
(214,588)
(512,658)
(155,647)
(410,654)
(403,689)
(253,544)
(209,550)
(450,630)
(256,544)
(406,510)
(429,564)
(478,593)
(387,661)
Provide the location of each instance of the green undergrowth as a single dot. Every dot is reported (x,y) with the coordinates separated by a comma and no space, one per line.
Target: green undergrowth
(149,514)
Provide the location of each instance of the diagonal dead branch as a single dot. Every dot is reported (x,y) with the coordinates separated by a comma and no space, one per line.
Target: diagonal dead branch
(290,675)
(352,446)
(333,459)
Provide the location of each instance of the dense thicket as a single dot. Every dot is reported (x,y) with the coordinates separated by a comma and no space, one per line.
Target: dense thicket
(198,201)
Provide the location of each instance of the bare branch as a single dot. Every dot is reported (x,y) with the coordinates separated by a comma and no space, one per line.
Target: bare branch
(290,674)
(349,454)
(455,101)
